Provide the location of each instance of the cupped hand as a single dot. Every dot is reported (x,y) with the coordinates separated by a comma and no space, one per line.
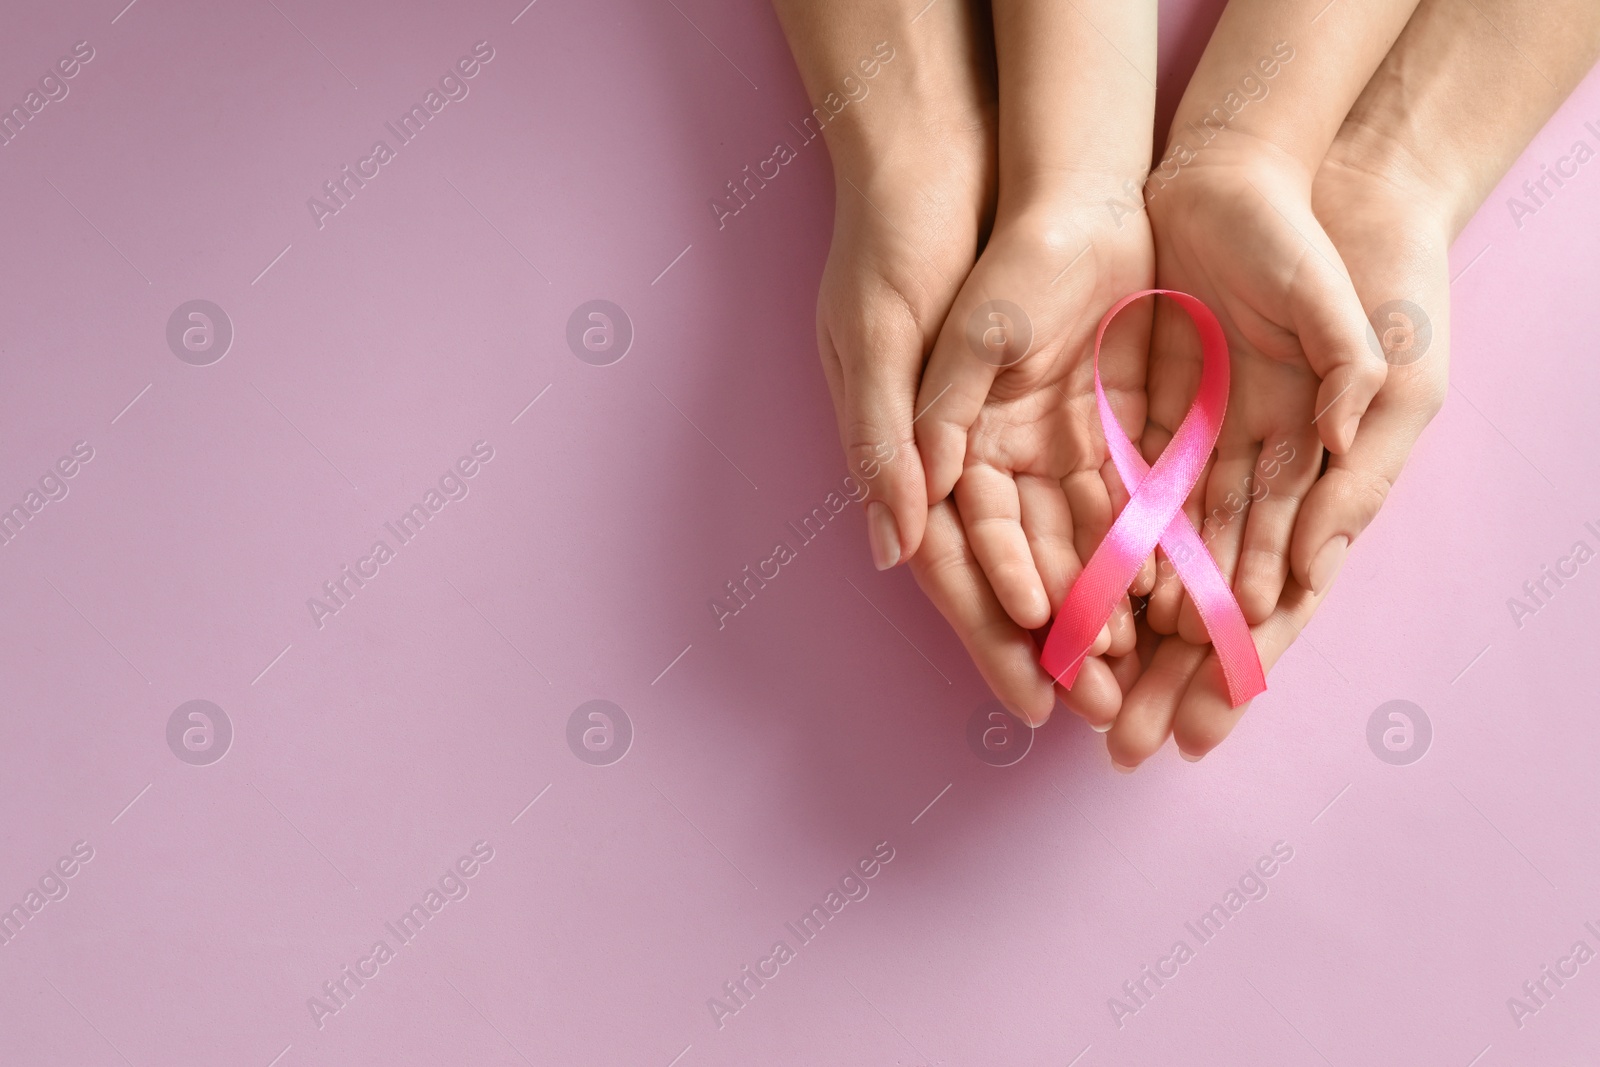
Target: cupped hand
(914,193)
(1237,230)
(1008,428)
(1395,247)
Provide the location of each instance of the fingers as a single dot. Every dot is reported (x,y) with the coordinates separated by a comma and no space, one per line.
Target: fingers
(1120,630)
(1222,530)
(1151,703)
(1205,717)
(1096,694)
(1146,578)
(1047,522)
(1334,334)
(1348,495)
(1183,691)
(1283,475)
(991,511)
(1089,501)
(874,363)
(1004,653)
(1167,597)
(1172,379)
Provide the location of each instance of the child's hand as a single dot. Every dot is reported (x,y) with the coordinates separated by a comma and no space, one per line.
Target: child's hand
(1237,231)
(1395,249)
(1007,419)
(1006,416)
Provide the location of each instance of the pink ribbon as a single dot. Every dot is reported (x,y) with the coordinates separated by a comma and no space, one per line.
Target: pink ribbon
(1155,515)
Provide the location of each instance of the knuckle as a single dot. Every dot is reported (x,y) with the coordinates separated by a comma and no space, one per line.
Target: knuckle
(947,568)
(874,454)
(878,318)
(1365,493)
(1268,556)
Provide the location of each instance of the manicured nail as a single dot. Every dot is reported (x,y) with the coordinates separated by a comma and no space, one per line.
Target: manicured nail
(1348,434)
(1100,729)
(884,535)
(1120,769)
(1191,759)
(1325,566)
(1022,716)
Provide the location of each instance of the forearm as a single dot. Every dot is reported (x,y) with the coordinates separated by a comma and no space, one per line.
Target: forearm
(1462,93)
(1281,74)
(1077,91)
(880,73)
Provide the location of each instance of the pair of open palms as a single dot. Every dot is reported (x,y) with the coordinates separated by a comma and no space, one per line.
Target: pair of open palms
(964,383)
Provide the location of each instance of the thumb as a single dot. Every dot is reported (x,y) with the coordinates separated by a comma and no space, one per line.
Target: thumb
(1346,498)
(1342,350)
(874,387)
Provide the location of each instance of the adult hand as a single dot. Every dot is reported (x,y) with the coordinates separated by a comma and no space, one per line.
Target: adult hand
(1445,114)
(914,171)
(1237,230)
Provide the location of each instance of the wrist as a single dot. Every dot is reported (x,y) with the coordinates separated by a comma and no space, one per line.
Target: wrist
(929,171)
(1428,197)
(1186,182)
(1035,188)
(1237,104)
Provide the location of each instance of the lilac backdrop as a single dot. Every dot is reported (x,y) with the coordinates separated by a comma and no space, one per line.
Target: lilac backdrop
(367,751)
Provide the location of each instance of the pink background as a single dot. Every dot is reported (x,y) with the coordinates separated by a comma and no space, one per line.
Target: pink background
(768,757)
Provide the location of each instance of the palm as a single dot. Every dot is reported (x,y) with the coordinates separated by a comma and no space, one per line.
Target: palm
(1014,431)
(1249,246)
(1039,425)
(1394,252)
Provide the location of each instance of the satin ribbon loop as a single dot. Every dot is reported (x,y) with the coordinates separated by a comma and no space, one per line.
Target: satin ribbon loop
(1154,515)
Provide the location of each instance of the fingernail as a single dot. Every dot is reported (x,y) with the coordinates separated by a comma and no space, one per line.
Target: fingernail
(1120,769)
(884,535)
(1023,716)
(1100,729)
(1191,759)
(1325,566)
(1348,434)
